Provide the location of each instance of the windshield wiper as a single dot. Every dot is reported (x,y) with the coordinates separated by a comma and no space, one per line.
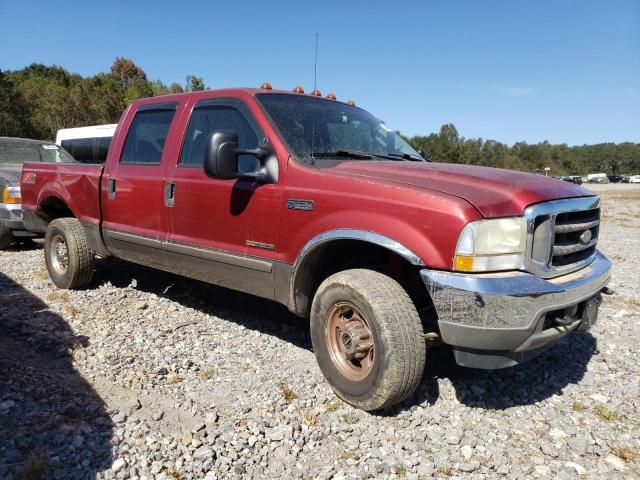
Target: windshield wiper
(406,156)
(342,153)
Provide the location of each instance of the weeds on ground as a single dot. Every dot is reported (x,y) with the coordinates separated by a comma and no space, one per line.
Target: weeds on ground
(349,455)
(605,414)
(287,392)
(173,473)
(401,472)
(447,470)
(579,407)
(175,379)
(208,373)
(310,419)
(624,453)
(332,405)
(350,418)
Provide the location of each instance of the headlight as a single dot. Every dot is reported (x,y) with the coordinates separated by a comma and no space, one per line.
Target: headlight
(490,245)
(11,195)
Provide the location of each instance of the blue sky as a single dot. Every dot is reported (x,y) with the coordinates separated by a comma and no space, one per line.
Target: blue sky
(564,71)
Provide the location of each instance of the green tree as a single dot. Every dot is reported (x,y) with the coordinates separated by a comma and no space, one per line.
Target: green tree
(194,84)
(127,72)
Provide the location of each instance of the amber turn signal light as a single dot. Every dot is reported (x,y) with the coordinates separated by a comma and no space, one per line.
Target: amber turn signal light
(266,86)
(463,263)
(11,195)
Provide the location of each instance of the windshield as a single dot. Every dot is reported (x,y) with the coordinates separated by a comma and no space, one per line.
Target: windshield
(322,128)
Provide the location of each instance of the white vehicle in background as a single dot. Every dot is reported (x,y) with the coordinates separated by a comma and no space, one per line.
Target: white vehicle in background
(87,144)
(634,179)
(597,178)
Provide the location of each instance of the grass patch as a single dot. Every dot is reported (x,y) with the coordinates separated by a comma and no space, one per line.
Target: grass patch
(208,373)
(447,470)
(287,392)
(310,419)
(579,407)
(173,473)
(332,405)
(624,453)
(349,455)
(605,414)
(73,310)
(350,418)
(175,379)
(401,472)
(36,466)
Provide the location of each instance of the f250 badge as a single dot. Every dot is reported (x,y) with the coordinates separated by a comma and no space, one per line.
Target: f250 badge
(29,178)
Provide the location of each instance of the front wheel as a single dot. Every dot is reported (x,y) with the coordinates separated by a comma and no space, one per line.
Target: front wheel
(367,338)
(67,255)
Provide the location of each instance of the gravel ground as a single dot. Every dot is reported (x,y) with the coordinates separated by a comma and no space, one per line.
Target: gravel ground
(150,376)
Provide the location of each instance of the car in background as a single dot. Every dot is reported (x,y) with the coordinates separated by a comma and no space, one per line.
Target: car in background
(634,179)
(597,178)
(615,178)
(577,179)
(13,153)
(87,144)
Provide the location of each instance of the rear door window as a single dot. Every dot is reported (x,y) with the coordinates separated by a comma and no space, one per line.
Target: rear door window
(146,137)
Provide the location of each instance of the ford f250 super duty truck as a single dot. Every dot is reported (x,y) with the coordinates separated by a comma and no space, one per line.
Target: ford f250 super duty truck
(318,205)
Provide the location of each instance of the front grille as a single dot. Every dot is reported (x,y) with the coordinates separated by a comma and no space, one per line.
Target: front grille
(562,235)
(576,236)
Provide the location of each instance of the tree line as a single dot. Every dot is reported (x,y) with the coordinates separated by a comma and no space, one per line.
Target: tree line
(611,158)
(38,100)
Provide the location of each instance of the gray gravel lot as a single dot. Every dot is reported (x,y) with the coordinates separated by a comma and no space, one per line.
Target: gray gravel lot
(150,376)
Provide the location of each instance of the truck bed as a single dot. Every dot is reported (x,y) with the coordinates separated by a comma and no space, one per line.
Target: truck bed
(77,185)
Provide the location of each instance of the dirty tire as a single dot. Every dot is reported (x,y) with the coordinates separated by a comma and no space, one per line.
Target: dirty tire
(79,260)
(6,237)
(398,344)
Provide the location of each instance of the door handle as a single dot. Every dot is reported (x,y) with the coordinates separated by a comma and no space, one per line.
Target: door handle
(169,194)
(111,189)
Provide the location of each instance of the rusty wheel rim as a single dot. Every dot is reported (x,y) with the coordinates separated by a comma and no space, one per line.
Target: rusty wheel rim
(350,341)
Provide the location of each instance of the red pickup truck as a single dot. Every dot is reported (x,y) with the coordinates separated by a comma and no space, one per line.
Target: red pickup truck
(318,205)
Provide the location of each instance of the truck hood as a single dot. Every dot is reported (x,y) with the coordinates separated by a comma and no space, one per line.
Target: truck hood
(10,175)
(494,192)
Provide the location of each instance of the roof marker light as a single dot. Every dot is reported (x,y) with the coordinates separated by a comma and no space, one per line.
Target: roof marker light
(298,89)
(266,86)
(331,96)
(316,93)
(351,103)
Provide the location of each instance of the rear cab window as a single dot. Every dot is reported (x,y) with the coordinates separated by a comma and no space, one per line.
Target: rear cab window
(147,135)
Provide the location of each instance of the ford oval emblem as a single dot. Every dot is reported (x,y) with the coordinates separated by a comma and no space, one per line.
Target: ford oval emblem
(585,237)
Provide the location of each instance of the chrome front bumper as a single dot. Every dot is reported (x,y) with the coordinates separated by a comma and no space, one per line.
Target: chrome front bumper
(502,318)
(11,215)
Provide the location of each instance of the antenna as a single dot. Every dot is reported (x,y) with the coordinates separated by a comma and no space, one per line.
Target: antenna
(313,112)
(315,64)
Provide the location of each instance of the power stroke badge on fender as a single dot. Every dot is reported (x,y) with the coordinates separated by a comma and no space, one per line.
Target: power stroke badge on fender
(296,204)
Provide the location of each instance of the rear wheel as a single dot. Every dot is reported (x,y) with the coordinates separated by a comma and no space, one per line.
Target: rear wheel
(67,255)
(367,337)
(6,237)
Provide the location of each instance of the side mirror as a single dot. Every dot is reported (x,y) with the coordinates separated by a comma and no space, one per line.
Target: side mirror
(221,159)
